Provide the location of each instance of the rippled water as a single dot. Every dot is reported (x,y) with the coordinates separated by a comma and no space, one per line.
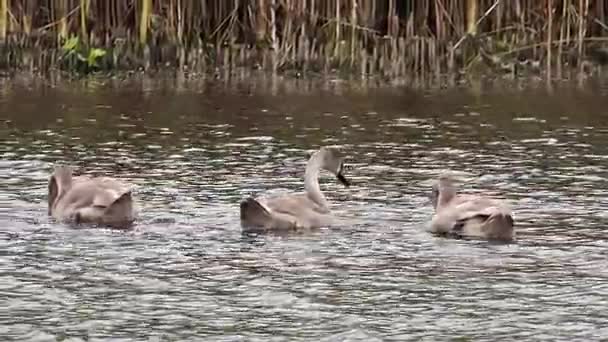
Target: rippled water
(195,149)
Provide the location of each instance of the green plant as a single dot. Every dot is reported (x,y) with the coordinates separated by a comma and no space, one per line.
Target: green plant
(81,57)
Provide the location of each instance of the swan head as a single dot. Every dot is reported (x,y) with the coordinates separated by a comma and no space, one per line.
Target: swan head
(332,160)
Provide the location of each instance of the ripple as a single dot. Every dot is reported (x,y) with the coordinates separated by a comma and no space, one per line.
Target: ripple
(186,269)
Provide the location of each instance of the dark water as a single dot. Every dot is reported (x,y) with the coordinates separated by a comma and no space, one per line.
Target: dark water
(194,149)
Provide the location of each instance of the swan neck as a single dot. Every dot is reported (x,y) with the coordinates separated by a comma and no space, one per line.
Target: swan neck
(311,181)
(445,197)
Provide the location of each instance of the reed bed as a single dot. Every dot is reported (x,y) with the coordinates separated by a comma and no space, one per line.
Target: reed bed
(391,38)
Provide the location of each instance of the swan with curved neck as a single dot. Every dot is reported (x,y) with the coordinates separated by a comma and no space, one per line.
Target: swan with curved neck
(309,209)
(322,159)
(469,215)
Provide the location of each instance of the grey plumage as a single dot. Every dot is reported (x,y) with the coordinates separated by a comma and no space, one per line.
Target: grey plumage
(469,215)
(81,199)
(300,210)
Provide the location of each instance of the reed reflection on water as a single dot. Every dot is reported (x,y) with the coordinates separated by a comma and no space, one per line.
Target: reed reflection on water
(195,149)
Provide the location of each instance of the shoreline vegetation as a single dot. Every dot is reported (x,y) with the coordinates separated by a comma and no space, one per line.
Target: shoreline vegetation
(424,40)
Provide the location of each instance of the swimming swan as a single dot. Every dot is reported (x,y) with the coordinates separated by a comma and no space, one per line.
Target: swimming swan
(300,210)
(80,199)
(469,215)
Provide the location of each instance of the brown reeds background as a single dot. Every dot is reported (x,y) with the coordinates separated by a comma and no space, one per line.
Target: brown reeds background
(392,38)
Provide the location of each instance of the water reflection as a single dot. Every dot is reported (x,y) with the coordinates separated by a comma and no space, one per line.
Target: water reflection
(186,270)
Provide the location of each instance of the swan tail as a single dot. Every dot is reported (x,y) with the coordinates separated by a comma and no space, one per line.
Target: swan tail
(497,226)
(254,214)
(120,212)
(500,227)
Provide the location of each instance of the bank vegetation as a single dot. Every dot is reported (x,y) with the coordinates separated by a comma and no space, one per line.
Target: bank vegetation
(391,38)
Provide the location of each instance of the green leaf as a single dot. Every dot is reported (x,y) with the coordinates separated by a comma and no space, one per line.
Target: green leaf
(94,54)
(70,44)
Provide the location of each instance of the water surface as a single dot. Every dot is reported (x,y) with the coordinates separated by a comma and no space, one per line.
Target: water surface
(195,148)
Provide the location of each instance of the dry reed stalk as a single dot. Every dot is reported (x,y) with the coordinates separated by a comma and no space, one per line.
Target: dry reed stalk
(549,37)
(234,27)
(338,37)
(28,14)
(374,61)
(260,21)
(417,56)
(562,28)
(390,18)
(439,23)
(303,44)
(390,43)
(353,31)
(84,13)
(372,12)
(225,53)
(273,35)
(585,21)
(303,39)
(394,57)
(402,68)
(62,13)
(380,58)
(363,62)
(568,21)
(498,16)
(437,62)
(383,66)
(3,19)
(423,57)
(582,15)
(288,36)
(180,35)
(144,22)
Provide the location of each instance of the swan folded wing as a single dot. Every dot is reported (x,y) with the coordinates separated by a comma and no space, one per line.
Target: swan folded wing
(113,198)
(256,214)
(284,210)
(107,210)
(121,209)
(480,206)
(298,208)
(468,215)
(295,204)
(112,184)
(108,190)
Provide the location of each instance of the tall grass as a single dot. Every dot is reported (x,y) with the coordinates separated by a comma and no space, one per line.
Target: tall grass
(393,38)
(3,18)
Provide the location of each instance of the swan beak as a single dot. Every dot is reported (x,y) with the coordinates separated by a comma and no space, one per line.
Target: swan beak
(343,180)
